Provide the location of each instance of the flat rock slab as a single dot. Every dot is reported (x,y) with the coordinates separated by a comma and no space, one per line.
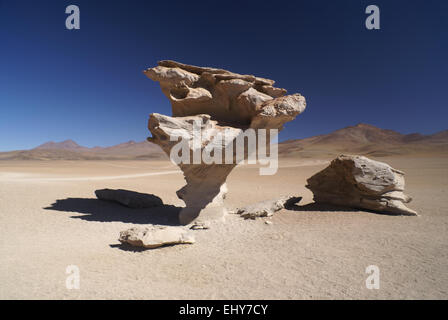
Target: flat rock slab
(266,208)
(129,199)
(359,182)
(156,236)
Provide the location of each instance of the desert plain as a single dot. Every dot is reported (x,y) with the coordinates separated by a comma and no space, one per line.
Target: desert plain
(50,219)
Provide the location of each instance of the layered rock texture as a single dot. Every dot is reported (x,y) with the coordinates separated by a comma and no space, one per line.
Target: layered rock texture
(219,103)
(358,182)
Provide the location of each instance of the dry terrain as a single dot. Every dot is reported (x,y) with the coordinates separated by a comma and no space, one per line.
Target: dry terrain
(50,219)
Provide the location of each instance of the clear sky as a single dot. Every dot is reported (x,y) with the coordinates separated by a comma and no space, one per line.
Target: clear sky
(87,84)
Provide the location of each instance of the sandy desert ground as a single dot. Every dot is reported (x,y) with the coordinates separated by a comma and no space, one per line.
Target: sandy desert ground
(50,219)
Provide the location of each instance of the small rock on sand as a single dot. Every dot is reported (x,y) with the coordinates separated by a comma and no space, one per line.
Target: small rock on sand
(199,225)
(156,236)
(266,208)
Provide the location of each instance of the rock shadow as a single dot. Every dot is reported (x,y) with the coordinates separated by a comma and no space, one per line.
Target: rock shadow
(108,211)
(320,207)
(131,248)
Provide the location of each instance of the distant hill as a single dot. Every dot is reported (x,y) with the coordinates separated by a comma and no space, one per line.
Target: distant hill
(442,135)
(363,139)
(64,145)
(70,150)
(366,139)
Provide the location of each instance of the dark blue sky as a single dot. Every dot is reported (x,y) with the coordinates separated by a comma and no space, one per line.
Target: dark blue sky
(88,85)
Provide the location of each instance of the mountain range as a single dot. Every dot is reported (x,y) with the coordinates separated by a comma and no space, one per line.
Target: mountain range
(368,140)
(70,150)
(363,139)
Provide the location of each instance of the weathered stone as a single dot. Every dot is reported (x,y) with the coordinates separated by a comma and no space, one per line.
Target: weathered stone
(219,101)
(275,112)
(266,208)
(129,199)
(272,91)
(358,182)
(156,236)
(179,82)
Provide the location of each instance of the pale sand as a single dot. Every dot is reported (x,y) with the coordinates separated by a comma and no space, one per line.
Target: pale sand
(303,254)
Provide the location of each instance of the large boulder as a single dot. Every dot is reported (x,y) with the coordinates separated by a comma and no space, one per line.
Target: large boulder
(359,182)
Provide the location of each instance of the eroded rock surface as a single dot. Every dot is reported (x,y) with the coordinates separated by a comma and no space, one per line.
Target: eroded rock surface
(221,103)
(266,208)
(358,182)
(156,236)
(129,199)
(224,95)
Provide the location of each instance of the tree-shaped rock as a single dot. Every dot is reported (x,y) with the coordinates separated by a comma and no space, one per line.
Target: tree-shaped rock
(214,112)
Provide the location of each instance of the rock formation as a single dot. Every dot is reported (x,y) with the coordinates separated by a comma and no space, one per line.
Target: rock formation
(218,103)
(266,208)
(155,236)
(358,182)
(129,199)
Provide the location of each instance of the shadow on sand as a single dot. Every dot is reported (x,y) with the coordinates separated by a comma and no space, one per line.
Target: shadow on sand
(324,207)
(107,211)
(131,248)
(320,207)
